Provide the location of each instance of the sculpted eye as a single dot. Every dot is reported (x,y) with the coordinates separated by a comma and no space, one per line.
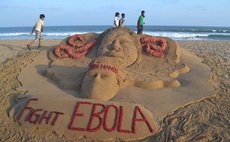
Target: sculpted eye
(122,41)
(110,46)
(93,74)
(104,76)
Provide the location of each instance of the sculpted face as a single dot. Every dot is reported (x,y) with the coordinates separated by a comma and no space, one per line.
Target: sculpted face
(120,44)
(100,84)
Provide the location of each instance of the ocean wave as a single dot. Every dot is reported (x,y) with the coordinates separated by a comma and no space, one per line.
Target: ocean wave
(14,34)
(219,36)
(193,36)
(189,30)
(173,35)
(66,33)
(44,34)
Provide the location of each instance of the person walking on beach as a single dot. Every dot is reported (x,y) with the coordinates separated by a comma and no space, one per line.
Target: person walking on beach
(122,20)
(140,23)
(116,19)
(38,28)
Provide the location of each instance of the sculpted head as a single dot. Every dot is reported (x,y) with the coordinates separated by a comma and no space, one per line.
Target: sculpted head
(102,81)
(121,43)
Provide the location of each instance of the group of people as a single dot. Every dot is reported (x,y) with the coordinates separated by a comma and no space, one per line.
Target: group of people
(38,28)
(118,22)
(121,22)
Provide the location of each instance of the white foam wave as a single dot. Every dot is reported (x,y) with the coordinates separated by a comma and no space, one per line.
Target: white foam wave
(44,34)
(14,34)
(176,35)
(61,35)
(65,33)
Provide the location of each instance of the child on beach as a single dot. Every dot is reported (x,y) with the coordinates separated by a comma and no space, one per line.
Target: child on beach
(122,20)
(38,30)
(140,23)
(116,19)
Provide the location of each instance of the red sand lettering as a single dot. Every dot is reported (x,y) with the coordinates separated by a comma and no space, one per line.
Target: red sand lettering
(37,116)
(97,120)
(75,114)
(95,115)
(119,128)
(100,113)
(104,66)
(135,119)
(115,123)
(44,117)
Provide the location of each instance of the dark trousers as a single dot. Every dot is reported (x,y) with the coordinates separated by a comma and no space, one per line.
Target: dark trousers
(140,30)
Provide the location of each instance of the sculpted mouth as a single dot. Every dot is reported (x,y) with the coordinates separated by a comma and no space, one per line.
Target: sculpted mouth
(115,54)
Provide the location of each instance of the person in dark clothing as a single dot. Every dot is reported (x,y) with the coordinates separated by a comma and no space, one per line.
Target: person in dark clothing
(122,20)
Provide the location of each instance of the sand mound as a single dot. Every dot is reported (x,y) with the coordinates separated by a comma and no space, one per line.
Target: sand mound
(9,51)
(76,118)
(141,90)
(121,48)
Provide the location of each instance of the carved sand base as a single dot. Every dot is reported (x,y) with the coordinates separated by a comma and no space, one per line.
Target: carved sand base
(77,118)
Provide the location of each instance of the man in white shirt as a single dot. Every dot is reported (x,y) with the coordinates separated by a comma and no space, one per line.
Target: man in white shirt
(116,19)
(38,28)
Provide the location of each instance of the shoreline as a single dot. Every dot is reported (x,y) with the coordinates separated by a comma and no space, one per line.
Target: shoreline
(174,32)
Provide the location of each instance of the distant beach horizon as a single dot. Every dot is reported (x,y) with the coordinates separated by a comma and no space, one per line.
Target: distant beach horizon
(174,32)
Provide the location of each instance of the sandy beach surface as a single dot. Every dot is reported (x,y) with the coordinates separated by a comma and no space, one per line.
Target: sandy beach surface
(200,114)
(207,119)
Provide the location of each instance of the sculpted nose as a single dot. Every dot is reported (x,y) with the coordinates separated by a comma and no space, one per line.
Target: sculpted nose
(116,45)
(98,76)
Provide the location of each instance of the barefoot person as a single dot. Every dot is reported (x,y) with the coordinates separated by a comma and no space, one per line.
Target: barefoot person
(140,23)
(38,30)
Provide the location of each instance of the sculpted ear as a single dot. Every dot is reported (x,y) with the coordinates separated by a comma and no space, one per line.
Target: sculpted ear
(123,80)
(122,83)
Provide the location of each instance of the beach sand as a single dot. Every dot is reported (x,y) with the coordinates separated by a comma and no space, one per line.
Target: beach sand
(205,117)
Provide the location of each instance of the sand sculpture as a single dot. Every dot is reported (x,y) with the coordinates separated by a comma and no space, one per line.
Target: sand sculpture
(119,73)
(116,52)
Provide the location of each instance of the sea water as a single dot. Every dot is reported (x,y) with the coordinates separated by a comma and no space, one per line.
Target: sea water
(174,32)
